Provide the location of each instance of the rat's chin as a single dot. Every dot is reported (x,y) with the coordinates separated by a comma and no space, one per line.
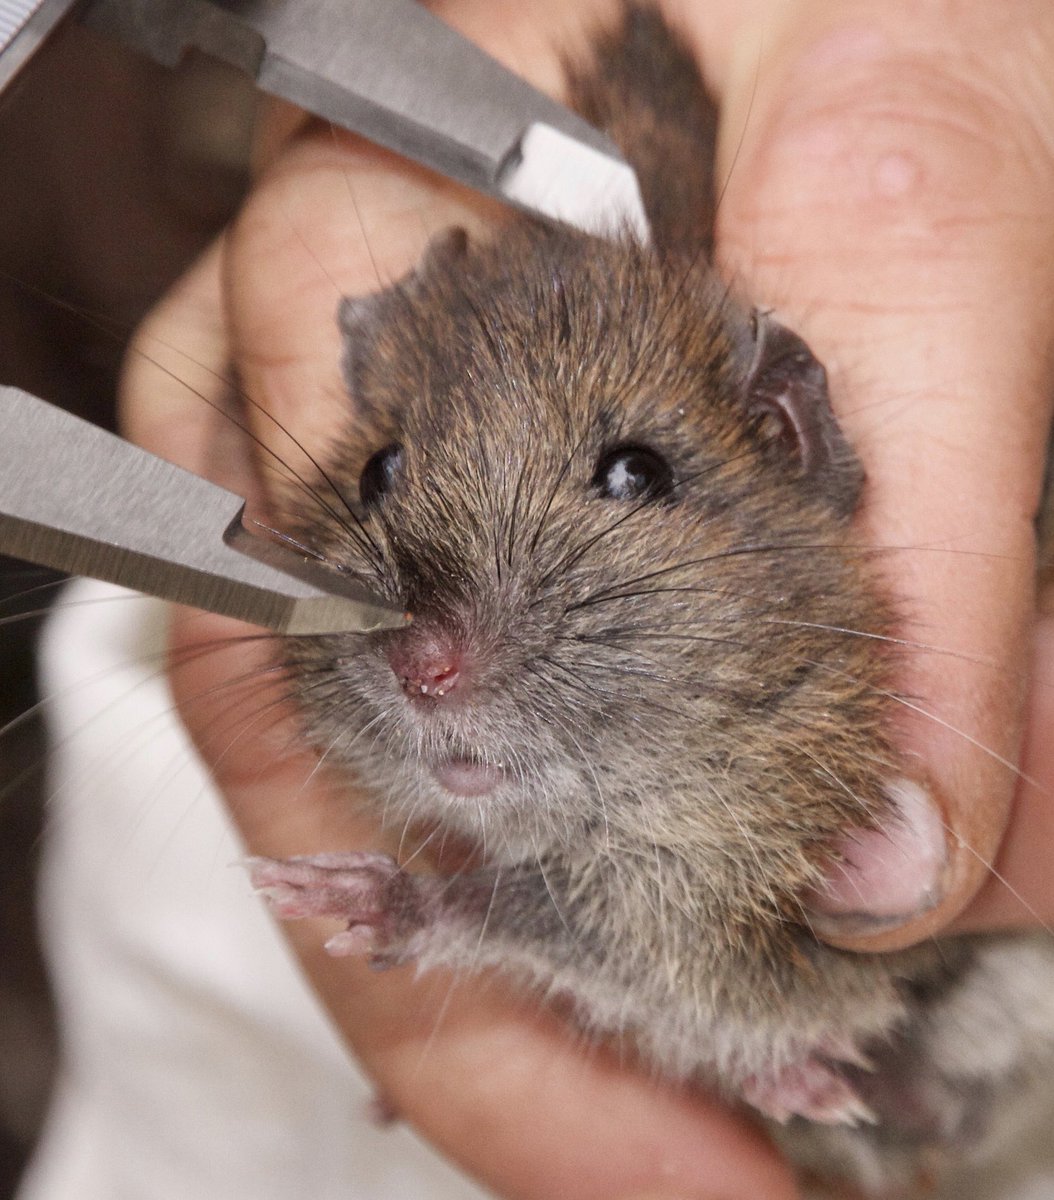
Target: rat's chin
(468,777)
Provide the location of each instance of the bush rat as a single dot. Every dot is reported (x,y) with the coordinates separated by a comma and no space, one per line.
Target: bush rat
(646,677)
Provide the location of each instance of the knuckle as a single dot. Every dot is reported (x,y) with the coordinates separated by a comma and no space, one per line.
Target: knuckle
(918,147)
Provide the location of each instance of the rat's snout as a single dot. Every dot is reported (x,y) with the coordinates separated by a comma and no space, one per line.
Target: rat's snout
(428,663)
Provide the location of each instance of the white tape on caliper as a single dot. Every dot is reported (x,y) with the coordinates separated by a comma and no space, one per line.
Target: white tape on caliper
(574,183)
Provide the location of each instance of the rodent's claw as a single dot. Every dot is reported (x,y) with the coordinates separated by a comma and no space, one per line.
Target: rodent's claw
(842,1049)
(811,1089)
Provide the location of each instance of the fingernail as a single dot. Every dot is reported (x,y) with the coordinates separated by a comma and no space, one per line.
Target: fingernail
(883,877)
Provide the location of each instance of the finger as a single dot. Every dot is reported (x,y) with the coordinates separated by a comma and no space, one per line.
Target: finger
(889,190)
(504,1089)
(174,372)
(177,397)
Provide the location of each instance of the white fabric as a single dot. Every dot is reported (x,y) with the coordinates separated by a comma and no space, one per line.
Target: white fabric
(197,1062)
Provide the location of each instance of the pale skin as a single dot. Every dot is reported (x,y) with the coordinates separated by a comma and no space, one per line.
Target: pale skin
(890,190)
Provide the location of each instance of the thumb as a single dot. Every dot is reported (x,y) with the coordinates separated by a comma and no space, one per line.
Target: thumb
(895,179)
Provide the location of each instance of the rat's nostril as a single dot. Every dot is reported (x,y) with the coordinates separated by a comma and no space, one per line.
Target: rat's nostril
(426,667)
(430,681)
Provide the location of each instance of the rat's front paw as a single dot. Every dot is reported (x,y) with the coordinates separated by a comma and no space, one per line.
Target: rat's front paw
(383,906)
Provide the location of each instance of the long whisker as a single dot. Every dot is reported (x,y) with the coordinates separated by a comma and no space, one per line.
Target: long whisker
(1001,879)
(358,531)
(366,240)
(994,755)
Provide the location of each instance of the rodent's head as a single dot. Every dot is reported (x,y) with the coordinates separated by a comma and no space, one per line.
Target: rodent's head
(617,507)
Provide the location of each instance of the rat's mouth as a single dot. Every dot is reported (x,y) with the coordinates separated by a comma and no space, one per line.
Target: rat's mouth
(465,775)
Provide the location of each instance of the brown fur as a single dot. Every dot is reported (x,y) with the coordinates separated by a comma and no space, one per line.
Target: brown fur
(682,725)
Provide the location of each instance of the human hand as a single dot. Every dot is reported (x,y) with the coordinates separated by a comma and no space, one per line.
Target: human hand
(894,181)
(861,135)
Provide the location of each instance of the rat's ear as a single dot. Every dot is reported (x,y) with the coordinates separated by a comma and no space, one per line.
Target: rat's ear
(444,248)
(786,389)
(363,319)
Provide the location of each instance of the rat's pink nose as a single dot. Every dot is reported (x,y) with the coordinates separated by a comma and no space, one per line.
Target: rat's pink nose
(426,666)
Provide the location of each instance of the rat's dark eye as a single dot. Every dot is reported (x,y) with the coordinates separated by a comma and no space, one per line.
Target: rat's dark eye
(379,473)
(633,473)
